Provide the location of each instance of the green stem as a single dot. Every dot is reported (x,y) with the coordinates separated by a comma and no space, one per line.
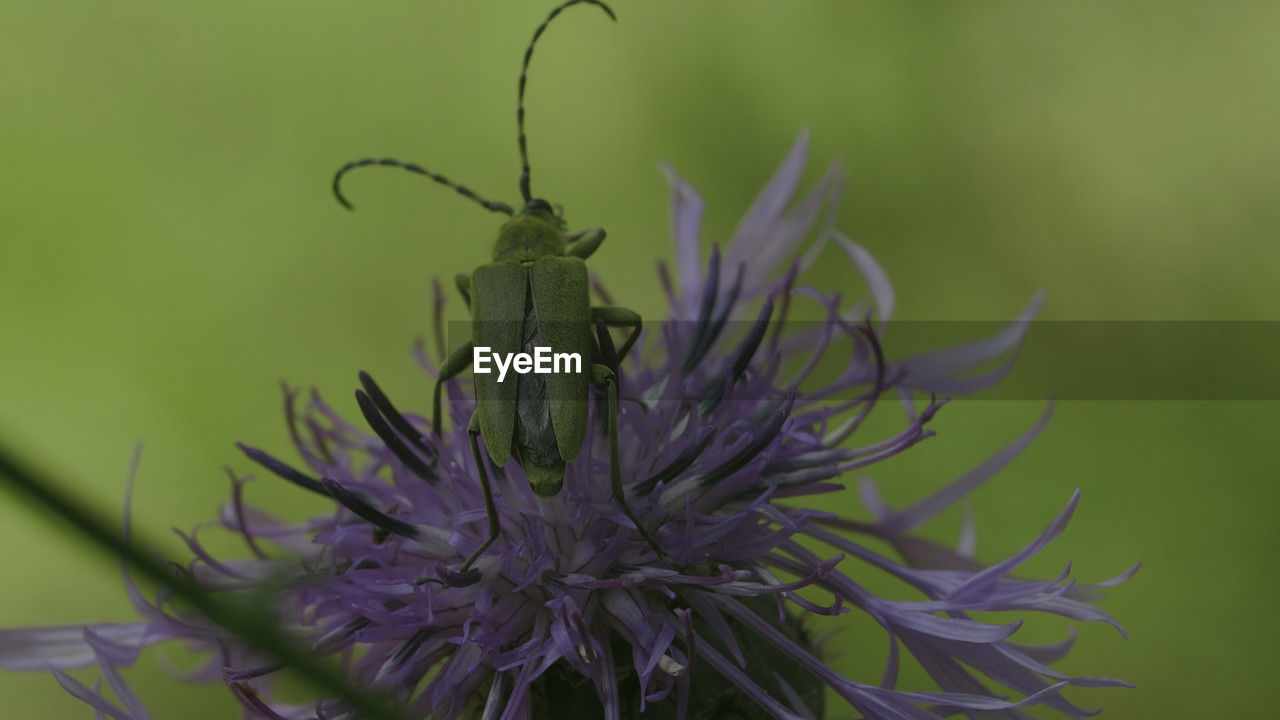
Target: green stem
(253,626)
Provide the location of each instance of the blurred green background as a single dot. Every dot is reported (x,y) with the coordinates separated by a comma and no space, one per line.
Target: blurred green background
(169,252)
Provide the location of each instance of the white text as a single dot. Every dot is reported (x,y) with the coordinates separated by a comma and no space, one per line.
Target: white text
(541,362)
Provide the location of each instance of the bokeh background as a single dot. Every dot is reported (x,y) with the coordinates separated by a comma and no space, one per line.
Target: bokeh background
(169,252)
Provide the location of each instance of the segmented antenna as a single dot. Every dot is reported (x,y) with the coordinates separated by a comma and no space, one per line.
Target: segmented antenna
(463,190)
(524,70)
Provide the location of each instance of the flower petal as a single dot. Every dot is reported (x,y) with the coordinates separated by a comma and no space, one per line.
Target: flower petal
(64,647)
(686,226)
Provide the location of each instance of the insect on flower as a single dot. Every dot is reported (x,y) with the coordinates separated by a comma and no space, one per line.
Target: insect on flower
(533,295)
(728,431)
(572,616)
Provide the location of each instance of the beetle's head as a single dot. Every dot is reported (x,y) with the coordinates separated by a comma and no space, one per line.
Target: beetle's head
(541,209)
(537,231)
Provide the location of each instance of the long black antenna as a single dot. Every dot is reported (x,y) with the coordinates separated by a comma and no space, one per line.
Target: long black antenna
(524,70)
(463,190)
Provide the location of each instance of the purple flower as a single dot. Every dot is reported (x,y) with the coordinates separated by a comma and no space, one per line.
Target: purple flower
(724,430)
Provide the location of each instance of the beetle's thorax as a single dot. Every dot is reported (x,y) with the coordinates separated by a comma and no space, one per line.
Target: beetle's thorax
(535,232)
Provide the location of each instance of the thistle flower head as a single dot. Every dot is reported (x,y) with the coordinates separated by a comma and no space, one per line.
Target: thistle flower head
(724,429)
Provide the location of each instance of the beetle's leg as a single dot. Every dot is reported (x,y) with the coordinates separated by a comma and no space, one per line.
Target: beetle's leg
(490,510)
(457,361)
(583,244)
(618,316)
(602,375)
(463,281)
(603,350)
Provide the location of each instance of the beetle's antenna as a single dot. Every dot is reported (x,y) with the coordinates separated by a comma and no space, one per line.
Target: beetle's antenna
(524,70)
(463,190)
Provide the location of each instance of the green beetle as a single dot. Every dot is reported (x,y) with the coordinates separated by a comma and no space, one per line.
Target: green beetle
(534,294)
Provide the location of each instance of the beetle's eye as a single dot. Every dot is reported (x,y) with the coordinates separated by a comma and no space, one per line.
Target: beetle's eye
(538,205)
